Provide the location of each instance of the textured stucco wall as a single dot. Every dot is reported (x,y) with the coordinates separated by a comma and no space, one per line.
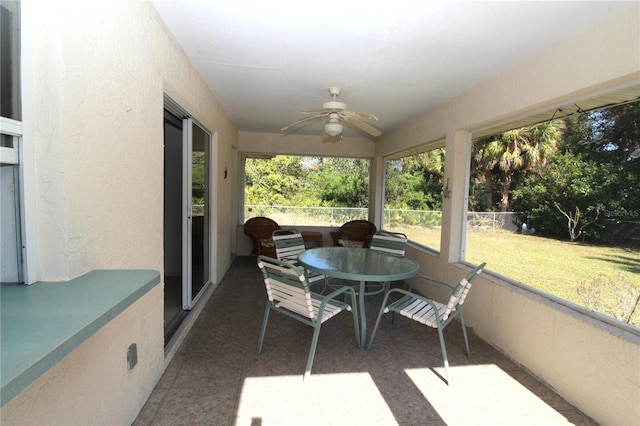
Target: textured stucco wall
(99,73)
(100,70)
(593,365)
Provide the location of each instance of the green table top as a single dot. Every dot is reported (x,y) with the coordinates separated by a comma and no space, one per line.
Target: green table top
(358,264)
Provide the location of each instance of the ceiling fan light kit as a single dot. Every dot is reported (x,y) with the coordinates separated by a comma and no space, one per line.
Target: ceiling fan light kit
(333,129)
(335,114)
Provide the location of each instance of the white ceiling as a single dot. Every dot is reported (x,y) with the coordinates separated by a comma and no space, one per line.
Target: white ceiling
(267,60)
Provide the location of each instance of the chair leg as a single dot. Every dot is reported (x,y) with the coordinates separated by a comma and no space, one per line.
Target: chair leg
(444,355)
(464,332)
(264,327)
(394,323)
(356,327)
(324,287)
(375,327)
(312,352)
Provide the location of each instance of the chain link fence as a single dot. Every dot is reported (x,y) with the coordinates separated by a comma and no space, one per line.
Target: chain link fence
(310,216)
(493,221)
(393,218)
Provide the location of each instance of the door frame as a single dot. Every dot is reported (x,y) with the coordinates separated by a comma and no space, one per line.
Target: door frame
(188,299)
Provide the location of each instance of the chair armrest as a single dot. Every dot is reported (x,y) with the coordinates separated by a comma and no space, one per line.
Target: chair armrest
(332,296)
(428,279)
(387,307)
(435,281)
(335,236)
(337,292)
(405,293)
(299,270)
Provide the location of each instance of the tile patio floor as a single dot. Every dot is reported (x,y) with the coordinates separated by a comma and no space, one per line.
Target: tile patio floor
(216,378)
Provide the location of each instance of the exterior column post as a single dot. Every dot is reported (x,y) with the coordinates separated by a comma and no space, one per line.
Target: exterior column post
(454,206)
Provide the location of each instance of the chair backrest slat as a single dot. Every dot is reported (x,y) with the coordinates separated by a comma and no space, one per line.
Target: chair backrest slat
(389,242)
(289,244)
(460,292)
(287,286)
(295,299)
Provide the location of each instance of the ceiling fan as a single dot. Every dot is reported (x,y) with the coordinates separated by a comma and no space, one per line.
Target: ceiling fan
(335,114)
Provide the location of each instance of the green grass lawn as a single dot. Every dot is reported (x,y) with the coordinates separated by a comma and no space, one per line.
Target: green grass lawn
(608,276)
(605,279)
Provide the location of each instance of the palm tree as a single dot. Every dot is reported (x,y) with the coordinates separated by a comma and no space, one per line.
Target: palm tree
(515,151)
(484,159)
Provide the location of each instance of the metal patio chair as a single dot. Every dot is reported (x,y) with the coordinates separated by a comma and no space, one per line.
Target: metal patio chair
(389,242)
(393,243)
(288,293)
(430,312)
(289,244)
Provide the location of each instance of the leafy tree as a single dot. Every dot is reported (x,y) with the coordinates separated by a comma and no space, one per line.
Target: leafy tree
(343,182)
(307,181)
(569,181)
(608,137)
(198,177)
(511,153)
(415,182)
(280,180)
(616,133)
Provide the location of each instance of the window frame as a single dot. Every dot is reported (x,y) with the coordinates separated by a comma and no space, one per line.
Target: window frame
(430,146)
(22,153)
(244,156)
(12,128)
(500,277)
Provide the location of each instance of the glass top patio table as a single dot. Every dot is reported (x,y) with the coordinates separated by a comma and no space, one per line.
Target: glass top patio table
(358,264)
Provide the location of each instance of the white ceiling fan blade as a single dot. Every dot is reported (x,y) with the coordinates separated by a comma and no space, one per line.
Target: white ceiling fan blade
(307,120)
(360,115)
(361,125)
(315,111)
(336,113)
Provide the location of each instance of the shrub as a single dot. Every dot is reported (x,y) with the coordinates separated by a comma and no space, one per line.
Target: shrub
(612,296)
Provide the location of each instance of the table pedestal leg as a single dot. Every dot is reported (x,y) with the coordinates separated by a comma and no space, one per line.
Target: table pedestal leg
(363,315)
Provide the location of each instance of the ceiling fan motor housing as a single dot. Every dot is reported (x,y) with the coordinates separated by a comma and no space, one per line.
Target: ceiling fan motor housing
(334,105)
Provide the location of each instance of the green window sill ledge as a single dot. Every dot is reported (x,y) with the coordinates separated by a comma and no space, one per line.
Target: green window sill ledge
(42,323)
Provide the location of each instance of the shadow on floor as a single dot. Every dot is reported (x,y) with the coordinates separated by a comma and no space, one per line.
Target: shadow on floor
(216,378)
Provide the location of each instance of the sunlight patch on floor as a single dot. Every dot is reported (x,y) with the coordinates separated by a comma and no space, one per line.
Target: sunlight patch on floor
(286,400)
(472,396)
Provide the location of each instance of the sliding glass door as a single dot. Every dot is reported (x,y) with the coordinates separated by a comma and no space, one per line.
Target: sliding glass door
(195,243)
(187,229)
